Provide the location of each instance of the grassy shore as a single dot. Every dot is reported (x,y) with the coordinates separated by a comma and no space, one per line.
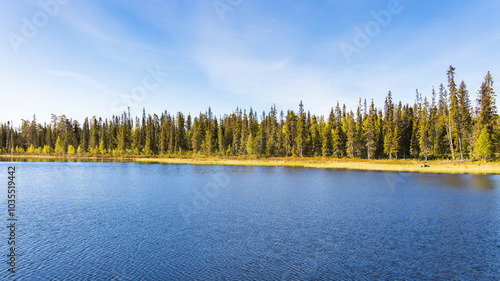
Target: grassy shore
(438,166)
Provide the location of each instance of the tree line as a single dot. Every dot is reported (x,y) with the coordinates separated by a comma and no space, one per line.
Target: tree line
(446,126)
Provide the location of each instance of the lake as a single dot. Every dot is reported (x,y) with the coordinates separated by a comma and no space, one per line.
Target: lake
(128,221)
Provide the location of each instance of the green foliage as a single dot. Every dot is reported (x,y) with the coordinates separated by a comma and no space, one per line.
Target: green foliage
(147,150)
(60,147)
(47,149)
(251,145)
(484,145)
(95,150)
(71,150)
(31,149)
(486,107)
(424,130)
(102,149)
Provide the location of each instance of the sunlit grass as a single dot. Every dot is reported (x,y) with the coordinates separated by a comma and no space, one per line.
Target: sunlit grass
(434,166)
(437,166)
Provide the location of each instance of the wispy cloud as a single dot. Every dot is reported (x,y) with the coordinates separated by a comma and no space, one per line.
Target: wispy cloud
(84,79)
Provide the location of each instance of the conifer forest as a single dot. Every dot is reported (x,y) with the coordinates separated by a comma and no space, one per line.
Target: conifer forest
(448,123)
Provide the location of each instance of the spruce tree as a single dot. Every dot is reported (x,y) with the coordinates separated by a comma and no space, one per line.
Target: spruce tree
(454,112)
(316,143)
(486,110)
(388,128)
(370,132)
(301,130)
(465,117)
(424,129)
(351,135)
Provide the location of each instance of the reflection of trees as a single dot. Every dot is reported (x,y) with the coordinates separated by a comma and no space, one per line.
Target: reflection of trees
(482,182)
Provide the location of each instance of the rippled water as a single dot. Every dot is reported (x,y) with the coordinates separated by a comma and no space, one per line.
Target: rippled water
(120,221)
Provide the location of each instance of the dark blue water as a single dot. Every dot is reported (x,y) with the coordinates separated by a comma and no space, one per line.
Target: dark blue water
(119,221)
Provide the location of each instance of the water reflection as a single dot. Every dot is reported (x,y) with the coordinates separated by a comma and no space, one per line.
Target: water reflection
(483,182)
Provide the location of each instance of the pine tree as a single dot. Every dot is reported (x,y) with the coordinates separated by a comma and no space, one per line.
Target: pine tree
(433,134)
(102,148)
(465,116)
(250,145)
(316,143)
(360,148)
(272,131)
(209,133)
(60,147)
(137,138)
(442,122)
(163,134)
(198,130)
(370,132)
(180,133)
(454,113)
(388,129)
(486,110)
(244,134)
(94,134)
(415,125)
(220,139)
(281,135)
(339,137)
(301,130)
(424,129)
(326,148)
(290,132)
(351,135)
(172,149)
(397,132)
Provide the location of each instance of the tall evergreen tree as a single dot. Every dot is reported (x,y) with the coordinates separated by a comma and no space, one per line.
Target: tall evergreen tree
(301,130)
(465,117)
(424,129)
(388,129)
(351,135)
(454,113)
(370,132)
(486,110)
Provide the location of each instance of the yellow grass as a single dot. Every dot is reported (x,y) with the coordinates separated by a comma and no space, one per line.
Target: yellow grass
(353,164)
(438,166)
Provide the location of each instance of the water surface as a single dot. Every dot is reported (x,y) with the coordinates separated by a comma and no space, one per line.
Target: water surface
(130,221)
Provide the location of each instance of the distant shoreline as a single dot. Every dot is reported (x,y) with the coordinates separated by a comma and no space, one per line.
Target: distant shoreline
(413,166)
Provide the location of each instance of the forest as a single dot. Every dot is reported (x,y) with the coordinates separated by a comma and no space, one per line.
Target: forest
(445,126)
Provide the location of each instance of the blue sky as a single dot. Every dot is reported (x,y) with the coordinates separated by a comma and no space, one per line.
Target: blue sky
(86,58)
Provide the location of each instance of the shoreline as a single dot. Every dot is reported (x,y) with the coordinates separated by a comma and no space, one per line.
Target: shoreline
(403,166)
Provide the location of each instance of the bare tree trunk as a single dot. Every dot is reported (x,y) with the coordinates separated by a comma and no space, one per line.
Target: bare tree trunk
(460,140)
(461,151)
(451,138)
